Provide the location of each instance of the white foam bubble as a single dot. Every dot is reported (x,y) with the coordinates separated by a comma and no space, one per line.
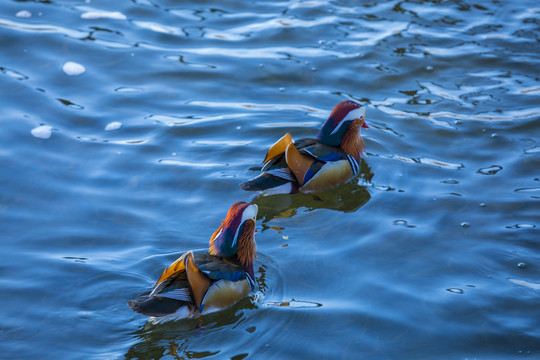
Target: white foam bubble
(113,126)
(72,68)
(116,15)
(42,132)
(24,14)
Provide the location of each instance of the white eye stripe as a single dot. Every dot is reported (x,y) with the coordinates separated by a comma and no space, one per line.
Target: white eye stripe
(250,212)
(355,114)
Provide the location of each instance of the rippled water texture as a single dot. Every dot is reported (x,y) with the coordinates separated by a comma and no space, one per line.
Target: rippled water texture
(127,126)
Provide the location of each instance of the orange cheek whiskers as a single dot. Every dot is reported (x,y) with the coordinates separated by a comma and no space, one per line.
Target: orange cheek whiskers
(352,143)
(246,244)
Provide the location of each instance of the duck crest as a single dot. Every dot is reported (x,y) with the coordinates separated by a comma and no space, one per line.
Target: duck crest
(339,121)
(224,240)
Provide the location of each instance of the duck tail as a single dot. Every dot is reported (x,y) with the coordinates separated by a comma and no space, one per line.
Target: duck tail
(156,306)
(266,182)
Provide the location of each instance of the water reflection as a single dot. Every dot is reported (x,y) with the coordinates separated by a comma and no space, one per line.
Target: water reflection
(173,338)
(176,350)
(180,338)
(348,197)
(172,341)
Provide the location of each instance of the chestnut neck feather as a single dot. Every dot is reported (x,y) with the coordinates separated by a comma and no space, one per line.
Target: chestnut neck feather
(246,245)
(352,143)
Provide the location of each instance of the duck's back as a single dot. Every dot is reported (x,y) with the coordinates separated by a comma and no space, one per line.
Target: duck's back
(226,283)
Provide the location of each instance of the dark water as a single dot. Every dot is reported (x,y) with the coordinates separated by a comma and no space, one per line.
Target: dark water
(432,253)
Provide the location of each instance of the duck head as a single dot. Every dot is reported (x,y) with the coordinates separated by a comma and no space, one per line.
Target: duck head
(235,236)
(340,121)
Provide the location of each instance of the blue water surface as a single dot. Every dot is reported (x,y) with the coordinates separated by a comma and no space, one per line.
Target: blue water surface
(114,165)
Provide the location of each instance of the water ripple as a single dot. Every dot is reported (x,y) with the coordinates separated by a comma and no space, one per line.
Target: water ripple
(535,286)
(13,74)
(261,107)
(180,59)
(491,170)
(429,161)
(241,32)
(128,90)
(508,115)
(170,120)
(95,14)
(188,164)
(270,52)
(535,189)
(375,33)
(532,150)
(70,104)
(156,27)
(521,226)
(42,28)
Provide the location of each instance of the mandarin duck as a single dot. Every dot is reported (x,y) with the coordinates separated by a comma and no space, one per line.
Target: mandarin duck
(203,281)
(314,165)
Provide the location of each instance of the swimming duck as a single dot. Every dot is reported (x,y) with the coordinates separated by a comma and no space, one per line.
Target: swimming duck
(204,281)
(314,165)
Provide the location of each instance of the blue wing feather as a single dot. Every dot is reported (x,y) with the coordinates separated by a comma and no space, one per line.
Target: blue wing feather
(324,153)
(217,268)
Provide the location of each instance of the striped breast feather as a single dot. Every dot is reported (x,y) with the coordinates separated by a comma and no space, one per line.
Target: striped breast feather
(354,164)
